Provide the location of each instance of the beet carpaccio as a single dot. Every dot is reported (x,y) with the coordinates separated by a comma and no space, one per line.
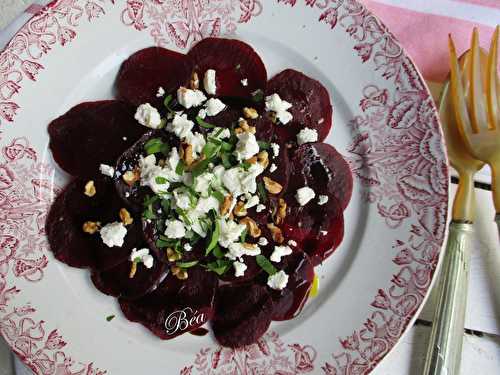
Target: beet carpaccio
(203,193)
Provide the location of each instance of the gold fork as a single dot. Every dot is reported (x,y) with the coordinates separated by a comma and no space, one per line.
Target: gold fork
(480,125)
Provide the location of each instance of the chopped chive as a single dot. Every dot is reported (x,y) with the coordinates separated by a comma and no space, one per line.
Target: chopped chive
(226,146)
(263,145)
(183,216)
(214,239)
(110,318)
(161,243)
(218,132)
(154,145)
(186,264)
(218,195)
(243,236)
(261,192)
(257,95)
(180,168)
(203,123)
(210,149)
(148,214)
(220,266)
(160,180)
(218,252)
(265,264)
(225,158)
(166,103)
(165,205)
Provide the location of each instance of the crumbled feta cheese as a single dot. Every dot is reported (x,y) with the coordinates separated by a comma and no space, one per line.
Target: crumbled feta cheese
(203,182)
(202,113)
(214,106)
(276,149)
(252,201)
(175,229)
(237,250)
(304,195)
(181,199)
(127,194)
(273,167)
(148,115)
(238,181)
(322,199)
(278,281)
(142,256)
(279,252)
(160,92)
(292,243)
(323,232)
(260,208)
(246,147)
(113,234)
(244,82)
(239,268)
(197,141)
(188,247)
(222,134)
(230,231)
(190,98)
(307,135)
(154,176)
(107,170)
(280,107)
(209,82)
(263,241)
(206,204)
(181,126)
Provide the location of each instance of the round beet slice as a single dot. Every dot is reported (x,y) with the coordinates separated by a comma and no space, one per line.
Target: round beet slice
(322,167)
(175,306)
(242,314)
(72,208)
(93,133)
(289,302)
(311,106)
(145,71)
(233,62)
(117,282)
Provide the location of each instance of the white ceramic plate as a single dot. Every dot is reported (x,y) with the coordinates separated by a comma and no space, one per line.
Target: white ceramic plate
(385,124)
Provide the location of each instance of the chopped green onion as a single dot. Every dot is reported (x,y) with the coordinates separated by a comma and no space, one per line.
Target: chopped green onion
(225,158)
(160,180)
(200,167)
(180,168)
(183,216)
(261,191)
(263,145)
(155,145)
(218,252)
(257,95)
(110,318)
(245,165)
(165,205)
(210,149)
(220,266)
(218,132)
(166,103)
(214,239)
(218,195)
(186,264)
(265,264)
(148,214)
(204,124)
(149,200)
(162,243)
(226,146)
(243,236)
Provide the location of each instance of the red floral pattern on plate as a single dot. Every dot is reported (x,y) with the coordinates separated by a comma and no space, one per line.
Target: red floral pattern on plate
(183,22)
(409,188)
(270,355)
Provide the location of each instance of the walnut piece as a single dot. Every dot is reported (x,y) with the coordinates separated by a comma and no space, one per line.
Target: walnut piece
(272,186)
(90,190)
(125,217)
(252,227)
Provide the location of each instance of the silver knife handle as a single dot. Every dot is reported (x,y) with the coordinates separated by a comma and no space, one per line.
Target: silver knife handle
(445,345)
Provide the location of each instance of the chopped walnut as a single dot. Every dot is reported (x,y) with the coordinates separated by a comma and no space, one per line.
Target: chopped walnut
(133,270)
(172,255)
(226,205)
(244,127)
(250,113)
(252,227)
(131,177)
(186,154)
(252,160)
(281,212)
(276,233)
(91,227)
(194,83)
(249,246)
(263,159)
(90,190)
(179,272)
(272,186)
(125,217)
(240,210)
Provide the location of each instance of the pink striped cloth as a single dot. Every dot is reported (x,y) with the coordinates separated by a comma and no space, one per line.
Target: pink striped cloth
(423,26)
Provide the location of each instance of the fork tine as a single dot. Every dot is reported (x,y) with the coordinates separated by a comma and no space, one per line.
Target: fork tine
(457,92)
(492,82)
(476,97)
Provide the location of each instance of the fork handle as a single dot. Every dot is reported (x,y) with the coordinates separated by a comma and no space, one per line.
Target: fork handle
(445,345)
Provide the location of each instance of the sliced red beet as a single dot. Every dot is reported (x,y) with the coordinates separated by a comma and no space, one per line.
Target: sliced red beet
(72,208)
(117,282)
(321,167)
(233,61)
(93,133)
(242,314)
(145,71)
(175,307)
(311,106)
(289,302)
